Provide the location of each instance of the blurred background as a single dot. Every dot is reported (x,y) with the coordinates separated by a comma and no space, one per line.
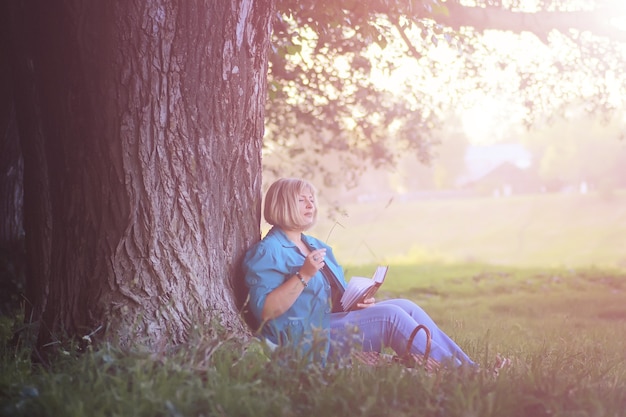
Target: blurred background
(495,146)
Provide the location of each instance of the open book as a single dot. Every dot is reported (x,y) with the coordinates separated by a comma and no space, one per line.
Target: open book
(360,288)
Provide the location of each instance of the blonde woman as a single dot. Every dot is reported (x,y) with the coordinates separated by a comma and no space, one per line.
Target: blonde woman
(295,284)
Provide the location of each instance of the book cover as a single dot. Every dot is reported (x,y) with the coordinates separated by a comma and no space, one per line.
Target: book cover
(360,288)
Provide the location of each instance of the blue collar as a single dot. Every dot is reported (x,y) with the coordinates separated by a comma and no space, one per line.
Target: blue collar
(287,243)
(281,237)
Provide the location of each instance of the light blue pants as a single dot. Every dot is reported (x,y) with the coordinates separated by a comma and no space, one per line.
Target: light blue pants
(389,323)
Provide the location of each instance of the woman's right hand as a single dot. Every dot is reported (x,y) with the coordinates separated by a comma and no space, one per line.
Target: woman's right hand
(313,262)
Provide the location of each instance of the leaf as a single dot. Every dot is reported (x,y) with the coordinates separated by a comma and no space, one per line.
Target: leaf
(382,42)
(441,9)
(293,49)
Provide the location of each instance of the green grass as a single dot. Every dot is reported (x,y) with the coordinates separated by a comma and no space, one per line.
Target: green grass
(565,330)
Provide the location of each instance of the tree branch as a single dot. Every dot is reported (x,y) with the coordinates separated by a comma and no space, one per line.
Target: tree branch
(406,40)
(539,23)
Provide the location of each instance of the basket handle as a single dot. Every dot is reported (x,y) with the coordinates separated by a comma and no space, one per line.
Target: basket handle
(412,337)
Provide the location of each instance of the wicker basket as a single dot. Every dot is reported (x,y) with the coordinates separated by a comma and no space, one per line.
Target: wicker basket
(411,360)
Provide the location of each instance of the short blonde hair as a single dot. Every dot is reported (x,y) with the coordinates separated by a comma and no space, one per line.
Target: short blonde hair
(281,204)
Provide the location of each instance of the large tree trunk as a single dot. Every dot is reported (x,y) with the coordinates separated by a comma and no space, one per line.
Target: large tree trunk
(11,168)
(151,121)
(25,115)
(11,191)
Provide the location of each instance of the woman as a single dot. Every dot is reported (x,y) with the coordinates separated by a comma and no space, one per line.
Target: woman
(295,284)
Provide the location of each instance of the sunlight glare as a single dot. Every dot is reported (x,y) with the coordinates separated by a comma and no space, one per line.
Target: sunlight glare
(479,122)
(617,10)
(619,22)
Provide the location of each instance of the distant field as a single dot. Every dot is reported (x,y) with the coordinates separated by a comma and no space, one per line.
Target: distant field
(545,230)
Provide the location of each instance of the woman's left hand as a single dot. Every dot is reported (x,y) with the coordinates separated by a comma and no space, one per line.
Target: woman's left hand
(368,302)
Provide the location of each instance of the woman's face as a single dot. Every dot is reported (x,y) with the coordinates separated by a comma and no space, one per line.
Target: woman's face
(306,206)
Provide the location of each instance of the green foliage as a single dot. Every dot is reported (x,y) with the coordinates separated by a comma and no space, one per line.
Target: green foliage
(564,330)
(323,97)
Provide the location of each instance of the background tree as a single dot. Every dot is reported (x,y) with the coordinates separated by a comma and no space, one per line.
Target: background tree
(587,151)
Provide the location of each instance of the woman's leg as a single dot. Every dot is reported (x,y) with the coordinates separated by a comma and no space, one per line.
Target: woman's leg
(438,336)
(390,323)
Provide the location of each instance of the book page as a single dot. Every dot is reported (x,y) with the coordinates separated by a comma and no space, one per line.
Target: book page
(380,274)
(360,288)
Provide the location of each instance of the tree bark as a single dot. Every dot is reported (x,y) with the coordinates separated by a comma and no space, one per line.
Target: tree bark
(11,196)
(152,123)
(11,170)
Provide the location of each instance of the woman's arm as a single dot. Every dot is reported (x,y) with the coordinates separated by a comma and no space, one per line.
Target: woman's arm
(279,300)
(283,297)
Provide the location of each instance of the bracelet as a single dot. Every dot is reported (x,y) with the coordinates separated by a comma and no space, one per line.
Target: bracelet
(301,279)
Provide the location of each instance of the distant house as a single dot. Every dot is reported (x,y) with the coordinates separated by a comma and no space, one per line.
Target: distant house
(499,169)
(507,179)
